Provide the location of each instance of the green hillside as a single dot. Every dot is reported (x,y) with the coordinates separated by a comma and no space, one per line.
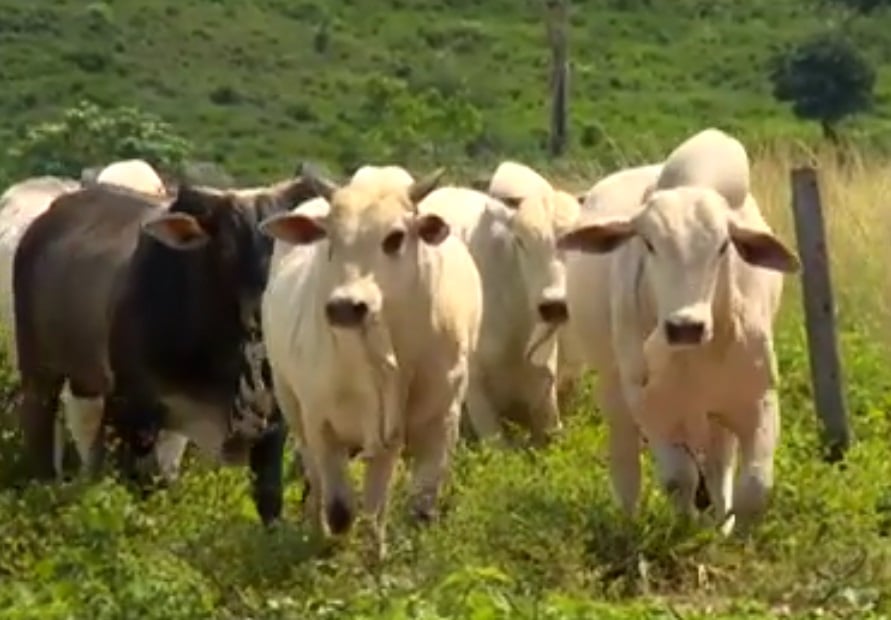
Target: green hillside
(257,85)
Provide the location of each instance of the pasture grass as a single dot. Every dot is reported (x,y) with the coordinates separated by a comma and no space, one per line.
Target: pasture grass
(259,86)
(523,534)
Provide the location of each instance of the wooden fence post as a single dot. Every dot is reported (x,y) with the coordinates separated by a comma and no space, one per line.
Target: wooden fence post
(558,27)
(819,312)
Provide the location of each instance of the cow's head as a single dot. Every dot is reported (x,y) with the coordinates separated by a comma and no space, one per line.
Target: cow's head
(222,227)
(373,236)
(537,221)
(685,234)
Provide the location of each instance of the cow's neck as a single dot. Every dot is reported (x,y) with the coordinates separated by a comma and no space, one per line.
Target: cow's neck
(191,324)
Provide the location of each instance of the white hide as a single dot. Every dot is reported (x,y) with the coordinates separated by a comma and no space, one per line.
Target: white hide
(382,176)
(709,158)
(514,369)
(512,179)
(698,399)
(398,381)
(134,174)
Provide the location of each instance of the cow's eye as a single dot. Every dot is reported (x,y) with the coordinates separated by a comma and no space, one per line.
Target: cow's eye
(723,249)
(393,242)
(649,245)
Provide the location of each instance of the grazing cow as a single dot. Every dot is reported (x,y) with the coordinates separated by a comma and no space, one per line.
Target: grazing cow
(144,305)
(370,322)
(673,301)
(135,174)
(513,373)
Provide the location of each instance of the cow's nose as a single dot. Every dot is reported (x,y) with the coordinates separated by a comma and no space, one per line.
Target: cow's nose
(684,331)
(346,312)
(553,311)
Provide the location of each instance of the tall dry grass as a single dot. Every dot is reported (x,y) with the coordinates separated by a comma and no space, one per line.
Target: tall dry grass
(856,198)
(856,195)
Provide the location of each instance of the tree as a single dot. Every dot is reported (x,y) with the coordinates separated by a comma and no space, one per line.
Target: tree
(826,79)
(89,135)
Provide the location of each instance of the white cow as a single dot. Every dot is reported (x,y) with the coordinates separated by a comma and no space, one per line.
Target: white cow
(369,323)
(673,302)
(513,373)
(135,174)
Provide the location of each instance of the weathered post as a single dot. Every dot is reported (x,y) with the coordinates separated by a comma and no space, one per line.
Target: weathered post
(558,29)
(819,312)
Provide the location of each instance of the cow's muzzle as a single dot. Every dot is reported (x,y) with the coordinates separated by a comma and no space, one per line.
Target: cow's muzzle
(684,332)
(344,312)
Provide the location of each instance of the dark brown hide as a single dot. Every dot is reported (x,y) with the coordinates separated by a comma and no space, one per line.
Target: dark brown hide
(104,304)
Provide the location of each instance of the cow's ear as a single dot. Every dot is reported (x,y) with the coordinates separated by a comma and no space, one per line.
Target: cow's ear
(294,228)
(179,231)
(762,249)
(418,190)
(597,238)
(431,229)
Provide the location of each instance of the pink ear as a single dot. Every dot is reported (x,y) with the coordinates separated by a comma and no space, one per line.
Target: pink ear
(762,249)
(432,229)
(294,228)
(176,230)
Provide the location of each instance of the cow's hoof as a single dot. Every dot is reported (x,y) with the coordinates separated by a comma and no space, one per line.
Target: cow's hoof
(339,517)
(424,515)
(702,499)
(269,506)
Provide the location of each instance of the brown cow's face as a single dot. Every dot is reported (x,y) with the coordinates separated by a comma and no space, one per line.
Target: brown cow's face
(223,226)
(373,236)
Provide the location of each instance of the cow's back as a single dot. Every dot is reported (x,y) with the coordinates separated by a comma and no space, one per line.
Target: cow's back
(710,158)
(515,180)
(65,272)
(19,206)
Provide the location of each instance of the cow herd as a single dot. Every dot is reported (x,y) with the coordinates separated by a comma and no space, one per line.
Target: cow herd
(371,318)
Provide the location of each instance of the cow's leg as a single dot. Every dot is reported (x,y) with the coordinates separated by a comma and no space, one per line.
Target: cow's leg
(84,413)
(289,406)
(169,451)
(624,443)
(678,475)
(378,475)
(545,421)
(757,445)
(484,418)
(718,470)
(431,450)
(329,460)
(37,418)
(266,458)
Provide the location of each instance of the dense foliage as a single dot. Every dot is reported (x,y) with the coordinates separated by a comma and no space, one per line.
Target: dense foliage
(259,86)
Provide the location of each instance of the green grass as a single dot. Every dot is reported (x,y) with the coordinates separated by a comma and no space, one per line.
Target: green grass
(259,86)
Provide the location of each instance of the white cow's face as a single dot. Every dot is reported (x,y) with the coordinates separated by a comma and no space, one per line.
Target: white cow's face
(373,239)
(535,226)
(686,233)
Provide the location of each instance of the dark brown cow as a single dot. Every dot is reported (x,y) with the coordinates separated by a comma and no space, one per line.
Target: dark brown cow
(146,310)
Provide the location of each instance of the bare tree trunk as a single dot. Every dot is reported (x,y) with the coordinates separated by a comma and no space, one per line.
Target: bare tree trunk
(558,27)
